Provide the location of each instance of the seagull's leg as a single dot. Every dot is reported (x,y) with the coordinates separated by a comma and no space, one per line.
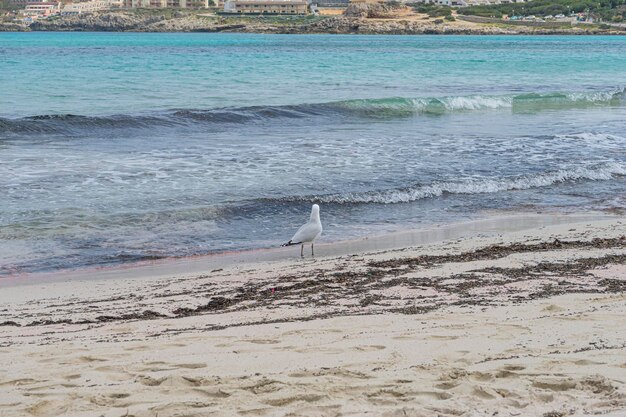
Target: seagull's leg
(302,250)
(312,253)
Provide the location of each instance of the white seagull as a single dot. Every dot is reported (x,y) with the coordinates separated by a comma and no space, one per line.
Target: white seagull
(308,232)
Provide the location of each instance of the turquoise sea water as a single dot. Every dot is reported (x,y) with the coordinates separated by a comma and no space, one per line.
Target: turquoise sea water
(119,146)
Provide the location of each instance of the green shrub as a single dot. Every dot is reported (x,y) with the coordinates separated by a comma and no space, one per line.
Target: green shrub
(440,12)
(433,10)
(605,9)
(450,18)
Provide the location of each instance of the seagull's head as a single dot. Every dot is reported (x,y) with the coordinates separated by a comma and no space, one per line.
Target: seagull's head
(315,211)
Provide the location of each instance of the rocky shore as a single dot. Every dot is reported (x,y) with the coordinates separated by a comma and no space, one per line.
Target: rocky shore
(353,22)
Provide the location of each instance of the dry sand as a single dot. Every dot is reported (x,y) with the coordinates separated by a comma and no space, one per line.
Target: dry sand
(524,323)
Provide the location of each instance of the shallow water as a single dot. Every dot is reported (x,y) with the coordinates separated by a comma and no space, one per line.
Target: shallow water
(119,147)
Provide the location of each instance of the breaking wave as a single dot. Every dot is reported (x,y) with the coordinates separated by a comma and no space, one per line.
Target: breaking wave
(385,108)
(74,124)
(607,171)
(532,102)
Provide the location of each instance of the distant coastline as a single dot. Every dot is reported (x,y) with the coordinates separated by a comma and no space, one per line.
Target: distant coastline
(129,21)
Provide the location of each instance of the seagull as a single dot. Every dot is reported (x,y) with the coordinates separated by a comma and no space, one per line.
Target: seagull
(308,232)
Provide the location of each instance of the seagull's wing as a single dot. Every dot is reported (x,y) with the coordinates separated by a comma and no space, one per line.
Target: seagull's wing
(306,233)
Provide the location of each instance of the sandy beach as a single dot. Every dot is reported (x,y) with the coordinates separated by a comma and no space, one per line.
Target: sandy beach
(519,321)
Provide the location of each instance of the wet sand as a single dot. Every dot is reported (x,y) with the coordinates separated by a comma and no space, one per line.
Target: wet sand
(492,225)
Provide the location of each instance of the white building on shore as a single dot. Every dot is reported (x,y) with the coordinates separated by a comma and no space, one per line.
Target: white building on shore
(464,3)
(162,4)
(267,6)
(24,3)
(90,6)
(42,10)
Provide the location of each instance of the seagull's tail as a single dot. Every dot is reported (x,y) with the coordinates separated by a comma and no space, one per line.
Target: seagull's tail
(290,243)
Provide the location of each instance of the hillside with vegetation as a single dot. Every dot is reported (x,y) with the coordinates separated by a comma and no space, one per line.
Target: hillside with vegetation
(390,18)
(606,10)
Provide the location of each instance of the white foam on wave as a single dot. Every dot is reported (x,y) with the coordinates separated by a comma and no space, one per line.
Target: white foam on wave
(480,185)
(592,137)
(476,102)
(596,96)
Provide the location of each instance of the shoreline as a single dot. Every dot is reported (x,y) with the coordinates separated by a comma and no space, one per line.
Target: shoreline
(476,32)
(428,32)
(527,322)
(489,225)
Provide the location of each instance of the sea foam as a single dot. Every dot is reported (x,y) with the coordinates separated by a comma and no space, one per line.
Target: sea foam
(606,171)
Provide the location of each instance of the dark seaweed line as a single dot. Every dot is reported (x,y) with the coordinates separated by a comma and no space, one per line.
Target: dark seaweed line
(329,287)
(500,251)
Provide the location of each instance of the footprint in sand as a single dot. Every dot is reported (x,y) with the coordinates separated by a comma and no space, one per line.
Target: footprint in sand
(138,348)
(403,337)
(179,408)
(505,393)
(403,381)
(447,385)
(509,371)
(311,332)
(110,400)
(404,412)
(319,349)
(48,408)
(171,381)
(18,382)
(155,363)
(553,308)
(338,372)
(597,384)
(212,393)
(262,341)
(280,402)
(149,381)
(484,393)
(480,376)
(586,362)
(175,345)
(543,397)
(191,365)
(556,385)
(369,348)
(503,373)
(265,386)
(256,411)
(516,403)
(89,359)
(118,395)
(513,367)
(442,337)
(157,367)
(436,395)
